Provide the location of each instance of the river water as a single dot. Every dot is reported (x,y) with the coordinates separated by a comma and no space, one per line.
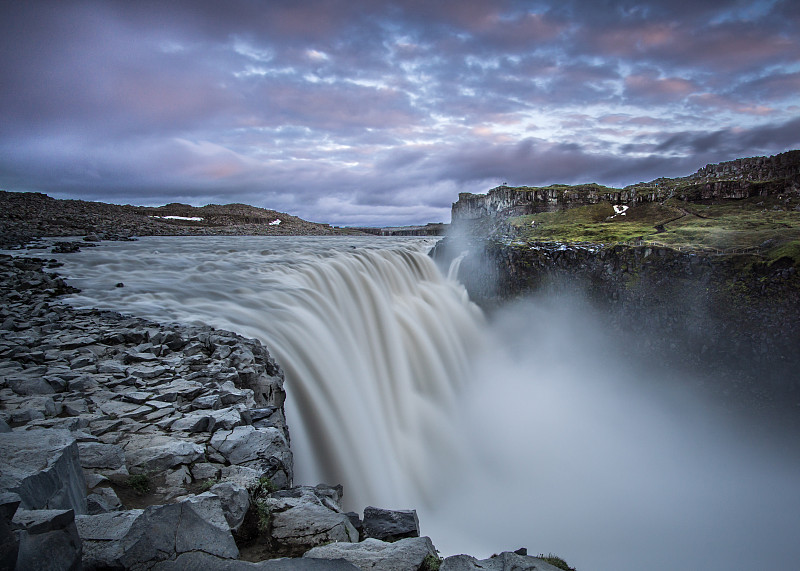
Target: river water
(534,428)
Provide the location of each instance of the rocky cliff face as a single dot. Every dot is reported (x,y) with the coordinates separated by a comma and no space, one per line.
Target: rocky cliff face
(741,178)
(734,317)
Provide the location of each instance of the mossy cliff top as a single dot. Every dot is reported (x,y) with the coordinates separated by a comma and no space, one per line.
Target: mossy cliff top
(747,205)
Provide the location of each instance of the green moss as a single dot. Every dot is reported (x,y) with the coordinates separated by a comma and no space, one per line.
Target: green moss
(264,516)
(140,483)
(787,254)
(208,484)
(556,561)
(431,563)
(727,226)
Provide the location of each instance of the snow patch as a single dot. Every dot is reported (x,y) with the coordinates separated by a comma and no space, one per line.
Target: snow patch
(275,222)
(189,218)
(620,209)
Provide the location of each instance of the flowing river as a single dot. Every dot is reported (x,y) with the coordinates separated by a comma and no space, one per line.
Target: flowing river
(533,428)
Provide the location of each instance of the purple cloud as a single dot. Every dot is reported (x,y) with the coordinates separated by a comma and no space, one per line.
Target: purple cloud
(382,111)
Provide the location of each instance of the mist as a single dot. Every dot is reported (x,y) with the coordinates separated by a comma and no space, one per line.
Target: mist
(579,446)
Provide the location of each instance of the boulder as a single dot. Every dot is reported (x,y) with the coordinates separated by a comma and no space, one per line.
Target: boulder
(103,500)
(302,518)
(503,562)
(8,541)
(390,525)
(99,455)
(235,500)
(253,447)
(43,467)
(138,539)
(48,539)
(404,555)
(159,453)
(30,386)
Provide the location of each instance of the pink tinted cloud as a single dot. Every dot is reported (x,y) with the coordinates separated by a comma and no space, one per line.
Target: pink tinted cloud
(722,102)
(646,87)
(334,107)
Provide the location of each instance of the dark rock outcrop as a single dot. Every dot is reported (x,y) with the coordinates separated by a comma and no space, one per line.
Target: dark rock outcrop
(742,178)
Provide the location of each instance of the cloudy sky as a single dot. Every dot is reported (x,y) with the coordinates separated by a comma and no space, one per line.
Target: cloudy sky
(368,112)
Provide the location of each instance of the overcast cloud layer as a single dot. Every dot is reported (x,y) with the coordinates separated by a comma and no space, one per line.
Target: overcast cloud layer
(363,112)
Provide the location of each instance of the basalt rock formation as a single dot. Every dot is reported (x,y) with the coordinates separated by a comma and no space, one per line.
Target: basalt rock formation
(742,178)
(734,316)
(129,444)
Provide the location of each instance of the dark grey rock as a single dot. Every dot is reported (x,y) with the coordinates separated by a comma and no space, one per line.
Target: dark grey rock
(404,555)
(390,525)
(139,539)
(9,546)
(303,518)
(159,453)
(235,500)
(99,455)
(48,539)
(30,386)
(505,561)
(43,467)
(103,500)
(199,560)
(252,447)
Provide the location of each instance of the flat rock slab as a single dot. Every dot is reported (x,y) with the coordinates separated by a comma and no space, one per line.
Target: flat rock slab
(198,560)
(139,539)
(159,453)
(404,555)
(251,447)
(99,455)
(43,467)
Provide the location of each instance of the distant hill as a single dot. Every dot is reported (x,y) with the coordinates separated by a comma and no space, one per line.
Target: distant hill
(24,215)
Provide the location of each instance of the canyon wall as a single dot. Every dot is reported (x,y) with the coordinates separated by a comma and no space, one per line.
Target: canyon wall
(742,178)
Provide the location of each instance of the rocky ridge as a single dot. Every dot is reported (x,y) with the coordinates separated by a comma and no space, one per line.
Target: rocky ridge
(741,178)
(25,215)
(127,444)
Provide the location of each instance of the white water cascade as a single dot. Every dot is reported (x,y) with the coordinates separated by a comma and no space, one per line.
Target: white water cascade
(535,428)
(374,342)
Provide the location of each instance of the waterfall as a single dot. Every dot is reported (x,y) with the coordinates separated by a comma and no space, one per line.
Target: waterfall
(374,341)
(535,428)
(374,352)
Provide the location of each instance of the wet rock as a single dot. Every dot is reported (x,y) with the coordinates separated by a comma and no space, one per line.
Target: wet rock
(99,455)
(9,546)
(103,500)
(48,539)
(43,467)
(302,518)
(235,500)
(390,525)
(404,555)
(138,539)
(158,453)
(252,447)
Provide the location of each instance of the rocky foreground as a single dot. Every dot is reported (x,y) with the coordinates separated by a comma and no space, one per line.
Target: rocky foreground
(127,444)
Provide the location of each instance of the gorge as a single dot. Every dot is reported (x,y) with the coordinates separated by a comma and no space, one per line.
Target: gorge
(538,427)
